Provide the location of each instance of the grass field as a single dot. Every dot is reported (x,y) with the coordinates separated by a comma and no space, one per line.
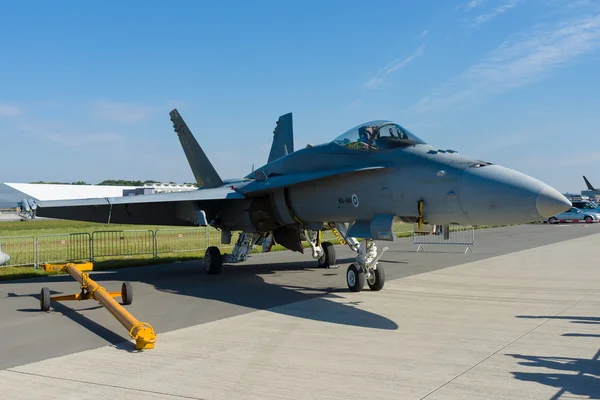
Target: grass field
(58,240)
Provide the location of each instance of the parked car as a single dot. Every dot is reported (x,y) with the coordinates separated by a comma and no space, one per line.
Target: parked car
(575,215)
(586,205)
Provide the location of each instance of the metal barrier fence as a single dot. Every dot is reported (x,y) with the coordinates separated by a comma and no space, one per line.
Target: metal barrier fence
(181,240)
(122,243)
(437,234)
(21,249)
(67,247)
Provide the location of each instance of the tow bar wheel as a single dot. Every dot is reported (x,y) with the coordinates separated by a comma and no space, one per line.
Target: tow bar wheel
(45,299)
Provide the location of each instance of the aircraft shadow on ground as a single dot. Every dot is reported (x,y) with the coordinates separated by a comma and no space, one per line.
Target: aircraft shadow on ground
(241,285)
(245,286)
(579,377)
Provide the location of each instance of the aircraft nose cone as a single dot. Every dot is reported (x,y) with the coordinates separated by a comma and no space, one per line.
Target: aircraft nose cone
(550,202)
(495,195)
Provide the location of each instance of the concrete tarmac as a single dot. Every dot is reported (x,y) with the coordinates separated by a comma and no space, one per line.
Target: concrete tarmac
(437,333)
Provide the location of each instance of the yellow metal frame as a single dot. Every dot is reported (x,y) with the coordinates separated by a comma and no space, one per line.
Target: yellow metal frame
(420,219)
(141,332)
(338,236)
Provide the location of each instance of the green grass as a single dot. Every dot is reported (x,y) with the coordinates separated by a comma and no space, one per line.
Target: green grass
(39,228)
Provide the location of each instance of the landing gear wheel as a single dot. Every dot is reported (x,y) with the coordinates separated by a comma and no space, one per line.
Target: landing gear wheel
(328,258)
(552,220)
(213,260)
(355,278)
(377,279)
(45,299)
(126,293)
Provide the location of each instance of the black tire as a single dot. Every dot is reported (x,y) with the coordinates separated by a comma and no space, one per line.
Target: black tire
(213,260)
(126,293)
(45,299)
(552,220)
(588,219)
(355,278)
(377,279)
(328,258)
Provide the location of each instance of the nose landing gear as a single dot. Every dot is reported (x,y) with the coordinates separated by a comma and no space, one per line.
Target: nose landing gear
(366,268)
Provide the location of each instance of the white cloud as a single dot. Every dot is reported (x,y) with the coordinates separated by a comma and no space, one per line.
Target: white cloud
(515,63)
(81,140)
(382,74)
(472,4)
(9,110)
(480,19)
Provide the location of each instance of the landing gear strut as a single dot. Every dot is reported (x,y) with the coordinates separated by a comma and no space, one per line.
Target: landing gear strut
(366,268)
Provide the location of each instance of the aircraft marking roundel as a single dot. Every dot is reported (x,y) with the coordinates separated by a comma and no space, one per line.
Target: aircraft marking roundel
(355,200)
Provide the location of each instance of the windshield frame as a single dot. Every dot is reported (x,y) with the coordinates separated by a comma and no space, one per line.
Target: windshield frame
(352,139)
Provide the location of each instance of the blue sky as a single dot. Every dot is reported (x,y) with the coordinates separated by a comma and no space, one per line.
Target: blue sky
(86,87)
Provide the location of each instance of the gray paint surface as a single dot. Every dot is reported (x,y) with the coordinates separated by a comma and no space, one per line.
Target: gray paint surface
(179,295)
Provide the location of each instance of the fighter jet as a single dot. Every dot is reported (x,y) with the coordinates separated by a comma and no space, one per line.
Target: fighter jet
(355,184)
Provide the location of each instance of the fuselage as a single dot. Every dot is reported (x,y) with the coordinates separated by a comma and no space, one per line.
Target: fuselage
(454,189)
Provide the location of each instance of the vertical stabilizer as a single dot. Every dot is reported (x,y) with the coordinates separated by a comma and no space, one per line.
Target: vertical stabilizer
(283,138)
(589,185)
(204,172)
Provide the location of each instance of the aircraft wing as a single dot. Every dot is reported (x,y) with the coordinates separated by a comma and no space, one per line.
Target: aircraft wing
(175,208)
(262,182)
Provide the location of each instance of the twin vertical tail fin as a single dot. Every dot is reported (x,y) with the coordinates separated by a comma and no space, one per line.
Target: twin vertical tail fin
(283,138)
(589,185)
(204,172)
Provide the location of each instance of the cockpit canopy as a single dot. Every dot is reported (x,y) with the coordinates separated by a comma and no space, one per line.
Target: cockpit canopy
(377,135)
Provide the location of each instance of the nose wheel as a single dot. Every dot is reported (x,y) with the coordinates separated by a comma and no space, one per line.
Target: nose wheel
(367,268)
(355,278)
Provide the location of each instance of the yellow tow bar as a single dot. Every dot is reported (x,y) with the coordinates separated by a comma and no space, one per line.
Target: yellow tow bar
(141,332)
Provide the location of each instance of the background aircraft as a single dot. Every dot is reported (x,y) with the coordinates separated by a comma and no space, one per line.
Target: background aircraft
(355,184)
(592,191)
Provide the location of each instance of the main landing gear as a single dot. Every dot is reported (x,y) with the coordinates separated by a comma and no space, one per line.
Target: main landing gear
(323,252)
(213,259)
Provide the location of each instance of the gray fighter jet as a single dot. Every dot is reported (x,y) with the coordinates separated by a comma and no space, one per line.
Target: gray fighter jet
(355,184)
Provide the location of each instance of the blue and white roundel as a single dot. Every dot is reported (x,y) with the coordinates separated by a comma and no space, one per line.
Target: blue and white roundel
(355,200)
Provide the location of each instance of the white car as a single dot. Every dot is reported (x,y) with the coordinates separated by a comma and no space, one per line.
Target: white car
(574,215)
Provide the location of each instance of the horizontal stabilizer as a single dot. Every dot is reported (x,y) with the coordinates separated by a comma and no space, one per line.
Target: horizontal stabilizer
(204,172)
(589,185)
(283,138)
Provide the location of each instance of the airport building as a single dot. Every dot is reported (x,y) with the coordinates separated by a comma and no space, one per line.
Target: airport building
(11,194)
